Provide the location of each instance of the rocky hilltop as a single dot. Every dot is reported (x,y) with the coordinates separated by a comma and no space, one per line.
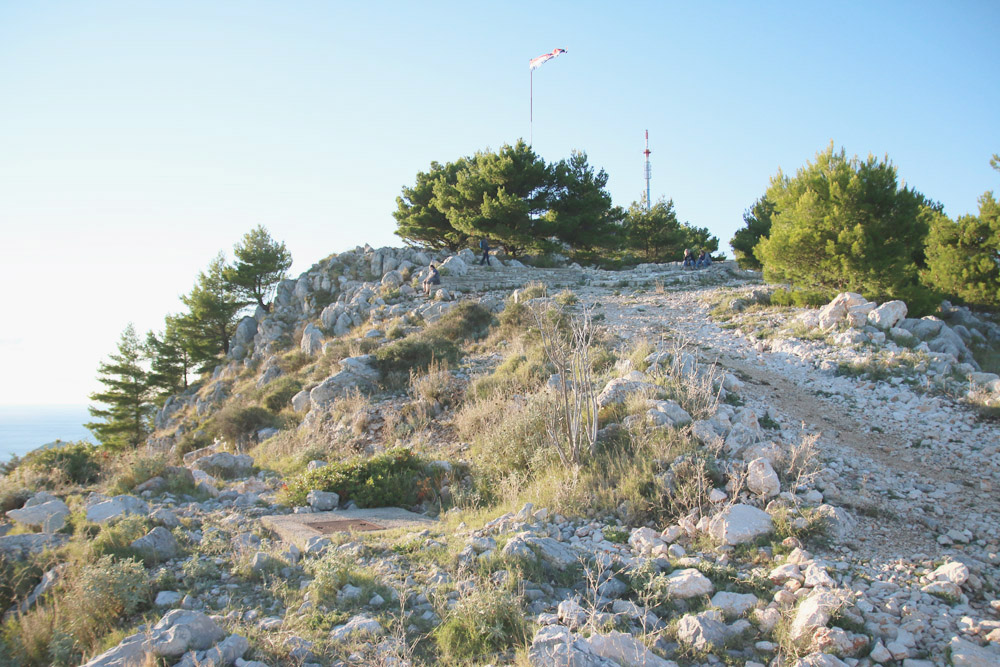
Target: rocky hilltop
(645,467)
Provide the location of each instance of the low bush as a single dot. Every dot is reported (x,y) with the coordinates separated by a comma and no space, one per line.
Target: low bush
(79,462)
(389,479)
(415,353)
(279,393)
(83,610)
(237,424)
(800,297)
(485,622)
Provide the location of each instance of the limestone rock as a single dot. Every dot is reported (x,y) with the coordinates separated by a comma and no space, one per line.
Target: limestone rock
(225,465)
(888,315)
(312,340)
(116,507)
(178,632)
(323,501)
(301,401)
(354,372)
(739,524)
(668,413)
(838,522)
(734,605)
(966,654)
(625,650)
(688,583)
(50,516)
(158,544)
(556,554)
(362,625)
(620,389)
(453,266)
(556,645)
(703,631)
(815,612)
(762,479)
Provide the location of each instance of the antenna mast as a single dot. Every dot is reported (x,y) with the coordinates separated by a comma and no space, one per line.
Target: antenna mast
(647,171)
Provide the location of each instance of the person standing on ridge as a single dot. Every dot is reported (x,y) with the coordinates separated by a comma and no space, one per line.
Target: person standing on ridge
(484,245)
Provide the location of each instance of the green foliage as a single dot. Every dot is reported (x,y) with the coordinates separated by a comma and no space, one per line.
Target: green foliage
(78,461)
(415,352)
(238,424)
(261,263)
(114,539)
(581,213)
(389,479)
(485,622)
(844,224)
(500,196)
(757,221)
(170,362)
(800,297)
(86,607)
(125,421)
(419,219)
(211,321)
(437,342)
(279,393)
(963,257)
(658,236)
(512,198)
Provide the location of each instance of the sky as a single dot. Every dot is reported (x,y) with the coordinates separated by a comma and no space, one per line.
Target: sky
(140,139)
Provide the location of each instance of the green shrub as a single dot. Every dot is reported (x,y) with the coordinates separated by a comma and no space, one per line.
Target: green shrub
(279,393)
(115,538)
(236,423)
(800,297)
(83,610)
(79,461)
(415,353)
(466,321)
(395,478)
(483,623)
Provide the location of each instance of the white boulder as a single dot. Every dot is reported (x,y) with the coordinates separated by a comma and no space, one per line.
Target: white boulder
(888,315)
(762,479)
(739,524)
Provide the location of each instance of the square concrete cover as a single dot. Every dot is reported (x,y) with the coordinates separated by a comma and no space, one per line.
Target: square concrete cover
(297,529)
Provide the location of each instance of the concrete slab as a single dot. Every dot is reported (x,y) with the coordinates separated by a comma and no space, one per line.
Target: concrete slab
(297,529)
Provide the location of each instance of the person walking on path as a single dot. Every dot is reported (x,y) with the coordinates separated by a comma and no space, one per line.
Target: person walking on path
(484,245)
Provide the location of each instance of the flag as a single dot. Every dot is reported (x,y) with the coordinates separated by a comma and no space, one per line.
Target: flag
(535,63)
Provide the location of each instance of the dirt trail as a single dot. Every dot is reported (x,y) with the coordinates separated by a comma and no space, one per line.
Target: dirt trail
(886,530)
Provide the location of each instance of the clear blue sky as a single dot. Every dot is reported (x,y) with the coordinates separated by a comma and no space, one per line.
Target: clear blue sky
(139,139)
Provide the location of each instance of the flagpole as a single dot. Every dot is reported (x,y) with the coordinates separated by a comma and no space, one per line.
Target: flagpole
(531,106)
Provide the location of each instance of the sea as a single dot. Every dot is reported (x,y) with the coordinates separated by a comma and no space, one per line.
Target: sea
(27,427)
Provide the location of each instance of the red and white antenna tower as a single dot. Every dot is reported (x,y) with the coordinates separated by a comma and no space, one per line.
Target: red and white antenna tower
(648,171)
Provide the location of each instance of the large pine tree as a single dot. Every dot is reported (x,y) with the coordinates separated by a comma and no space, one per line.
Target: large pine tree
(845,224)
(170,364)
(125,419)
(261,263)
(211,321)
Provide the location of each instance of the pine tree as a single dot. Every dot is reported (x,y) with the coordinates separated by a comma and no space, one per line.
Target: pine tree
(963,257)
(261,263)
(501,196)
(418,218)
(125,421)
(170,363)
(581,214)
(211,321)
(659,237)
(757,221)
(845,224)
